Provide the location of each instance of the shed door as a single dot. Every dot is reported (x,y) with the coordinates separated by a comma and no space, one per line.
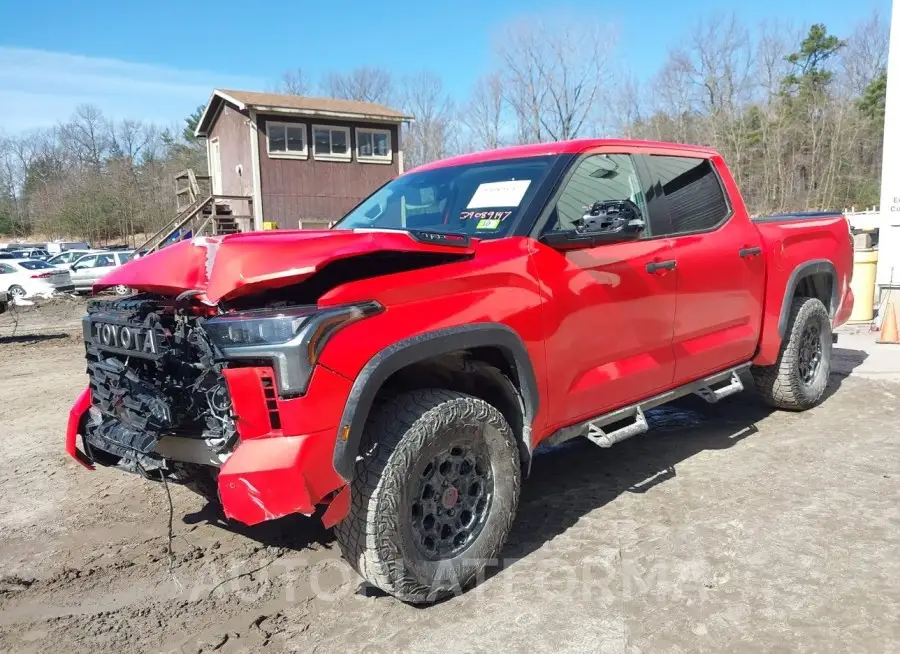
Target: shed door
(215,166)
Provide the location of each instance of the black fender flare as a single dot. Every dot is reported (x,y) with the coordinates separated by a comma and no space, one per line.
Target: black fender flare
(806,269)
(418,348)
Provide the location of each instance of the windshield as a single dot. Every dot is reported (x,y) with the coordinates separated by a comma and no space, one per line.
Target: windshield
(482,199)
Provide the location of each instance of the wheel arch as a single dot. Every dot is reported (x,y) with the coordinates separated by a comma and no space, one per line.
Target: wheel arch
(483,349)
(816,279)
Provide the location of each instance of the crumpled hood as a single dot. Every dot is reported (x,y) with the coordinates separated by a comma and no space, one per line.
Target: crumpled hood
(226,267)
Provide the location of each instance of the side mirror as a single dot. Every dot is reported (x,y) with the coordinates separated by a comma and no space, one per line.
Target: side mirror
(605,222)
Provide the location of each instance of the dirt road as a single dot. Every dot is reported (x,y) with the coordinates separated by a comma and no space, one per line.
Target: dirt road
(726,528)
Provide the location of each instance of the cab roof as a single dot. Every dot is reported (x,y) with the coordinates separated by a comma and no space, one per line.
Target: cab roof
(576,146)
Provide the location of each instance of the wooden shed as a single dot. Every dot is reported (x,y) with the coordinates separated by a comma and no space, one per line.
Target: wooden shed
(301,162)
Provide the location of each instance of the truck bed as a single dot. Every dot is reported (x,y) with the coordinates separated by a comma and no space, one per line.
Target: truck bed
(811,241)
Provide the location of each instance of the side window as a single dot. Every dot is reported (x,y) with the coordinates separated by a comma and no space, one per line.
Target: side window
(6,269)
(597,179)
(693,194)
(124,257)
(86,262)
(104,260)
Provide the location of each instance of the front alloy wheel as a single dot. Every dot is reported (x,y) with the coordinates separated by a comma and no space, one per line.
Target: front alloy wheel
(434,498)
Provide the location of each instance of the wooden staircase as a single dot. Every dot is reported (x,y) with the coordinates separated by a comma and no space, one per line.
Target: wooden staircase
(200,214)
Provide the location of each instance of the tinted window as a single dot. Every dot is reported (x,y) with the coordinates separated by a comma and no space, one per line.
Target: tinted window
(125,256)
(5,269)
(693,193)
(599,178)
(35,265)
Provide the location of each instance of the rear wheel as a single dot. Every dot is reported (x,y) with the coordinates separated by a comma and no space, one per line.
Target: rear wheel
(122,290)
(16,292)
(434,496)
(798,379)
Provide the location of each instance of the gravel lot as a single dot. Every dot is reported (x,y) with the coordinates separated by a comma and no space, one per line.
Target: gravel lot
(727,528)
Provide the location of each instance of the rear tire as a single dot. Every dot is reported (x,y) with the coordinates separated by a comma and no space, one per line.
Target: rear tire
(798,379)
(16,292)
(434,494)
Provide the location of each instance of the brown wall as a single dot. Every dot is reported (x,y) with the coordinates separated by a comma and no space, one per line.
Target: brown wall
(312,191)
(233,130)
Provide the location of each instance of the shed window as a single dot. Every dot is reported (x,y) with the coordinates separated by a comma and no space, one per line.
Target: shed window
(331,143)
(373,145)
(286,139)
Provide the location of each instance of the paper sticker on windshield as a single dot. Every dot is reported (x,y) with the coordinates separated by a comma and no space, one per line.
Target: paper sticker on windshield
(487,223)
(499,194)
(490,215)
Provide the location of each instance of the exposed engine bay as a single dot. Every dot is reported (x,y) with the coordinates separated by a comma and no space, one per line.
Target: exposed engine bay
(159,397)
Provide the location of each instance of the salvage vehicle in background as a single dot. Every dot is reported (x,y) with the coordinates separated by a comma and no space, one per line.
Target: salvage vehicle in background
(88,269)
(22,279)
(401,368)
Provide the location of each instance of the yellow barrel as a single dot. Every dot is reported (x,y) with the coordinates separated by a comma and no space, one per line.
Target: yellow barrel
(863,285)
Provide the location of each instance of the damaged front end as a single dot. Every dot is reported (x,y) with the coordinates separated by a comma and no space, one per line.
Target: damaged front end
(159,400)
(231,403)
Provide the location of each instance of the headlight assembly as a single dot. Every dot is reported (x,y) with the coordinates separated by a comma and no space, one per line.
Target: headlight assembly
(292,338)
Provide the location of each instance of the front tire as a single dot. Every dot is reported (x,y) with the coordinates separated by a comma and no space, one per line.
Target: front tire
(798,379)
(434,496)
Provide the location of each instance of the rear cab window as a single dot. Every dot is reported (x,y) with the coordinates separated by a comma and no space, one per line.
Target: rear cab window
(695,199)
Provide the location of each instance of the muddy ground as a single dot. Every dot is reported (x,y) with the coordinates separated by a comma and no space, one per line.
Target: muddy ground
(727,528)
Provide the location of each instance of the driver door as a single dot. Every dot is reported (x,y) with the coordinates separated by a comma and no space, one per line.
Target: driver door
(609,310)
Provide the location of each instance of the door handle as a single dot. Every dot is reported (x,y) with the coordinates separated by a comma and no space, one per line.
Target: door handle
(749,252)
(655,266)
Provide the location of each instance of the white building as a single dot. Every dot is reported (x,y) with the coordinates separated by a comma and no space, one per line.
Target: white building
(889,229)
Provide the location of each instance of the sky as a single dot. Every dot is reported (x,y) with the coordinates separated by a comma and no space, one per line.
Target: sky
(156,61)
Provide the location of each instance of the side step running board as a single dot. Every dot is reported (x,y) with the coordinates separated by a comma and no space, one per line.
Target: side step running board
(630,420)
(609,438)
(713,395)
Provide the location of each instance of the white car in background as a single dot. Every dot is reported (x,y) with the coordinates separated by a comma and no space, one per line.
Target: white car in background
(87,270)
(67,258)
(24,279)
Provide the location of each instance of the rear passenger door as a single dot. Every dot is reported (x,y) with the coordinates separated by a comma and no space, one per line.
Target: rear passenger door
(721,270)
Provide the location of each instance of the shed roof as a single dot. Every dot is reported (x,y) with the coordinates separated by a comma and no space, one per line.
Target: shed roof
(298,105)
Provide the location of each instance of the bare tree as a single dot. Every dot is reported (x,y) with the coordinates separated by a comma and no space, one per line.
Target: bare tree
(554,70)
(130,138)
(367,84)
(295,82)
(865,56)
(87,135)
(431,134)
(483,114)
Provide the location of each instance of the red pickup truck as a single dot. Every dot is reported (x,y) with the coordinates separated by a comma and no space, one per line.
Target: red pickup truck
(398,370)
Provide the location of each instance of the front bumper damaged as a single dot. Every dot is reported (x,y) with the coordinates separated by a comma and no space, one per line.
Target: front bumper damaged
(283,460)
